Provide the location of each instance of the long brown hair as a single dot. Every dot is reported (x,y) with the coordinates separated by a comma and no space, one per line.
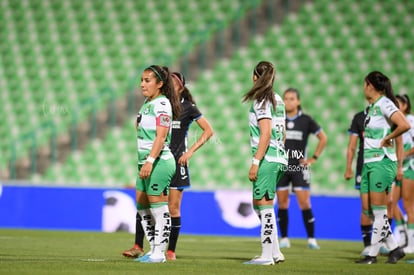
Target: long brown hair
(162,74)
(382,84)
(263,86)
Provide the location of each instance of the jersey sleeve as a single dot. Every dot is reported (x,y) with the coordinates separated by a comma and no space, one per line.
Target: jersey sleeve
(356,124)
(388,108)
(262,110)
(314,127)
(163,113)
(195,114)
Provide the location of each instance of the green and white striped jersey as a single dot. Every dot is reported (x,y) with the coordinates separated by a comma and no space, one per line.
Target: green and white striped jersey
(378,126)
(408,140)
(157,112)
(260,110)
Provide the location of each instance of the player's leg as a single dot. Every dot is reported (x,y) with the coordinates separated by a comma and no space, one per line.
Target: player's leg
(408,202)
(397,214)
(138,249)
(157,193)
(174,205)
(282,192)
(263,204)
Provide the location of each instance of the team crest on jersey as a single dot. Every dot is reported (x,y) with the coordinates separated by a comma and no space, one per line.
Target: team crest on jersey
(163,120)
(290,124)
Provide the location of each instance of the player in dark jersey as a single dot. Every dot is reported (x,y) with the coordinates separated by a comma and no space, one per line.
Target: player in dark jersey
(298,128)
(182,154)
(356,132)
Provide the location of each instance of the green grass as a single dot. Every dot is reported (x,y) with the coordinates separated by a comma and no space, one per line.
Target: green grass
(62,252)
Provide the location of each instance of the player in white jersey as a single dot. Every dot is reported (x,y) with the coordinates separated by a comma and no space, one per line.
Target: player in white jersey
(384,124)
(156,164)
(407,183)
(267,136)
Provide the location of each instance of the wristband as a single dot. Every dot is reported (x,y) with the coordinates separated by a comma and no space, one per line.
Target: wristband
(150,159)
(315,157)
(255,161)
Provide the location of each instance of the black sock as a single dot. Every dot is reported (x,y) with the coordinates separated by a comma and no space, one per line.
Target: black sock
(309,222)
(283,219)
(175,231)
(366,231)
(139,232)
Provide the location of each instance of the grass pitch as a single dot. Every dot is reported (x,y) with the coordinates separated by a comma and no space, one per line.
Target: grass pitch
(63,252)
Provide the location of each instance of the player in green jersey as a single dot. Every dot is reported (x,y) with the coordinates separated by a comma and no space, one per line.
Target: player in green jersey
(383,124)
(156,164)
(267,137)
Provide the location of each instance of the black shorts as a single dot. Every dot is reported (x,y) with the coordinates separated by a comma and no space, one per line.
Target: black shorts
(181,178)
(300,179)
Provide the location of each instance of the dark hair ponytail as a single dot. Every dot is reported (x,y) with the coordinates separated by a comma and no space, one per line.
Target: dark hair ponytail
(263,87)
(186,94)
(382,84)
(404,98)
(163,74)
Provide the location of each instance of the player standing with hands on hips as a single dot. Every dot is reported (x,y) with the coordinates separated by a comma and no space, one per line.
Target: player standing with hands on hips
(384,124)
(267,134)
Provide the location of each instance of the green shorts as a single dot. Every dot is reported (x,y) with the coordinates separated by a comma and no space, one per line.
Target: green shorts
(378,176)
(408,167)
(159,181)
(267,177)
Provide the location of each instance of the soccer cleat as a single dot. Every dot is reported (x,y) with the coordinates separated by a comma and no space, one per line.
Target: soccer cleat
(260,261)
(395,255)
(149,260)
(280,258)
(171,255)
(312,244)
(133,252)
(367,260)
(143,257)
(284,243)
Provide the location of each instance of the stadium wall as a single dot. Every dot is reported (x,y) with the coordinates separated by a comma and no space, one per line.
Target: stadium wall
(227,212)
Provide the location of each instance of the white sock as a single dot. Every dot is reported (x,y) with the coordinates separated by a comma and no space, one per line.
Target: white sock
(148,224)
(162,230)
(410,234)
(381,232)
(268,232)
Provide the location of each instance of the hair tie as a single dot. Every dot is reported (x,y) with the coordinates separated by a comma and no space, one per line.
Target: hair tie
(156,72)
(179,80)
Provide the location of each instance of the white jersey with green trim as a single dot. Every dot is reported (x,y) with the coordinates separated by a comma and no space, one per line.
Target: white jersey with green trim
(264,109)
(157,112)
(378,126)
(408,138)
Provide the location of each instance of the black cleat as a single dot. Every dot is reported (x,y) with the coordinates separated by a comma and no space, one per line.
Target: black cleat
(395,255)
(367,260)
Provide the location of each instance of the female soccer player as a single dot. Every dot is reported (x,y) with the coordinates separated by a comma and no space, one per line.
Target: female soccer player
(383,124)
(298,128)
(407,185)
(267,133)
(182,155)
(156,164)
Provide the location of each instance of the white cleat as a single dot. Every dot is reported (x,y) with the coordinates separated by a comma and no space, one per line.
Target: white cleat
(284,243)
(312,244)
(260,261)
(279,258)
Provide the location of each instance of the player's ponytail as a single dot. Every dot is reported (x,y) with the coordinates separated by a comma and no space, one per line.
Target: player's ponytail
(382,84)
(264,72)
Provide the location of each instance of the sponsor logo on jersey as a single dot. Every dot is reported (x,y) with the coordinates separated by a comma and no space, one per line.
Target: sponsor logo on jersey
(176,124)
(295,135)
